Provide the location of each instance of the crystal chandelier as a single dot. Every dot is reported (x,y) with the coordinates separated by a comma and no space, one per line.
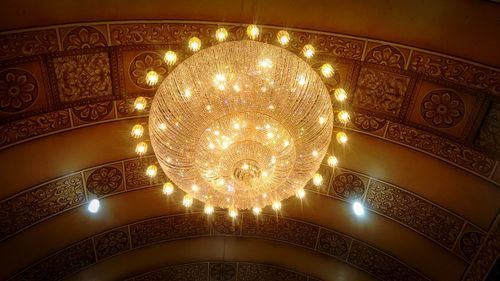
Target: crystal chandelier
(241,124)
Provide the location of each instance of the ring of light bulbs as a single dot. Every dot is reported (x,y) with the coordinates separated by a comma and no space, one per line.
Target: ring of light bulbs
(326,70)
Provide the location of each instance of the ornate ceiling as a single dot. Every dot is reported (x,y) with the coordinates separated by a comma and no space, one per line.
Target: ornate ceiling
(424,160)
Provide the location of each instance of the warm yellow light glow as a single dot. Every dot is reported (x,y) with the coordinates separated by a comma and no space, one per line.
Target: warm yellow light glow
(141,148)
(152,78)
(317,179)
(276,205)
(151,171)
(283,37)
(308,51)
(343,116)
(253,31)
(187,201)
(233,213)
(340,94)
(248,156)
(221,34)
(341,137)
(209,209)
(194,44)
(137,131)
(140,103)
(332,161)
(168,188)
(162,126)
(327,70)
(256,211)
(170,57)
(301,193)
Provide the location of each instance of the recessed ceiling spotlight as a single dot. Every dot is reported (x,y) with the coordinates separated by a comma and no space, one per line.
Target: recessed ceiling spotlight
(358,208)
(93,206)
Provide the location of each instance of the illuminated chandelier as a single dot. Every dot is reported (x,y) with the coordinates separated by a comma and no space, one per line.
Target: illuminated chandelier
(241,124)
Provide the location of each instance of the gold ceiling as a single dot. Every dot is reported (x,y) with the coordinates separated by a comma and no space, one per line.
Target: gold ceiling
(424,160)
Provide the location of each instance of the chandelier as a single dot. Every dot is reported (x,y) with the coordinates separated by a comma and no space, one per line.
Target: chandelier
(241,124)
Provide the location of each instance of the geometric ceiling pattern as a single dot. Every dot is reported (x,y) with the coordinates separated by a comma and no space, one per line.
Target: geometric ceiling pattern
(60,81)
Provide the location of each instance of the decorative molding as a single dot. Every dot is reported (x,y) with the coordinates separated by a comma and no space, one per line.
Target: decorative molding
(181,226)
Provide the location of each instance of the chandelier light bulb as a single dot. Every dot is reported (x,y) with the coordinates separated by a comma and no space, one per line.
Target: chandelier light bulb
(221,34)
(170,57)
(152,78)
(162,126)
(327,70)
(187,201)
(209,209)
(151,171)
(340,94)
(358,208)
(256,211)
(141,148)
(343,116)
(276,205)
(137,131)
(301,193)
(341,137)
(140,103)
(233,213)
(283,38)
(194,44)
(253,31)
(332,161)
(168,188)
(317,179)
(322,120)
(308,51)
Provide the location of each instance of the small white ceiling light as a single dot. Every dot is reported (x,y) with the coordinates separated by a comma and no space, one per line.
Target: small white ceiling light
(93,206)
(358,208)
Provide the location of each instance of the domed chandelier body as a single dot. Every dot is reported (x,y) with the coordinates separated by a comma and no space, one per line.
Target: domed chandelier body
(241,124)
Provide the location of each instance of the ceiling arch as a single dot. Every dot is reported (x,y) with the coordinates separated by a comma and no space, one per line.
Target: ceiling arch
(427,185)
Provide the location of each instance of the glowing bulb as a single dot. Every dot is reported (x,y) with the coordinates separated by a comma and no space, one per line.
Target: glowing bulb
(270,135)
(317,179)
(327,70)
(187,201)
(208,209)
(93,206)
(141,148)
(301,193)
(256,210)
(322,120)
(221,34)
(308,51)
(253,31)
(140,103)
(340,94)
(302,80)
(220,182)
(341,137)
(266,63)
(168,188)
(187,93)
(283,37)
(137,131)
(358,208)
(152,78)
(286,143)
(233,212)
(265,173)
(195,188)
(314,153)
(343,116)
(170,57)
(219,78)
(151,171)
(332,161)
(194,44)
(276,205)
